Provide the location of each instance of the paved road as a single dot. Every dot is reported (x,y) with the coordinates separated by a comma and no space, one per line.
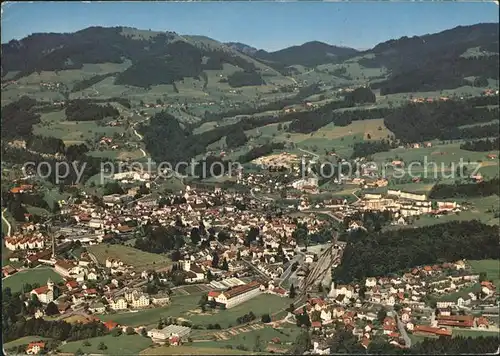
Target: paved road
(403,332)
(326,212)
(311,153)
(6,222)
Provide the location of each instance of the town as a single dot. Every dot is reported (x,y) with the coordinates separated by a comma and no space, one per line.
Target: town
(126,255)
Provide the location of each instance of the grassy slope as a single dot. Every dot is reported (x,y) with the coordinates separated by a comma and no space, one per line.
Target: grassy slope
(120,345)
(30,276)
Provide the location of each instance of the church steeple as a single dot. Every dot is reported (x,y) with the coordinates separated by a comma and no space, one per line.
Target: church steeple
(50,284)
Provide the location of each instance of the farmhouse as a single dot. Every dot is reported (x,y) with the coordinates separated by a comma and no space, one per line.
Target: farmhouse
(35,348)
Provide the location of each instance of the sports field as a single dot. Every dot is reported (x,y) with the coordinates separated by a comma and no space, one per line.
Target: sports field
(130,256)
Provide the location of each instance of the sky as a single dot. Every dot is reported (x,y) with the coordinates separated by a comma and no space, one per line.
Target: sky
(264,25)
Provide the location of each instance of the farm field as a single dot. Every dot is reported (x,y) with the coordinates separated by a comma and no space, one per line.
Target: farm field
(23,340)
(119,345)
(30,276)
(54,124)
(491,267)
(442,155)
(285,335)
(128,255)
(192,350)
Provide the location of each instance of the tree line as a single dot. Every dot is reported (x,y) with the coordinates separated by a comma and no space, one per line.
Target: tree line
(481,145)
(368,148)
(465,190)
(85,110)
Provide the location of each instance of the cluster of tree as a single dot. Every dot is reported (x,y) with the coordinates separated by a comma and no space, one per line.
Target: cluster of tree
(248,317)
(438,120)
(76,152)
(310,121)
(457,345)
(18,118)
(384,253)
(303,318)
(236,138)
(368,148)
(481,145)
(59,330)
(360,95)
(465,190)
(85,110)
(372,220)
(119,100)
(244,78)
(217,58)
(87,83)
(478,131)
(440,346)
(160,239)
(45,144)
(180,60)
(260,151)
(481,81)
(113,188)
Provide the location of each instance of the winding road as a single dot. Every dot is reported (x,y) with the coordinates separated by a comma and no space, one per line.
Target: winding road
(6,222)
(316,156)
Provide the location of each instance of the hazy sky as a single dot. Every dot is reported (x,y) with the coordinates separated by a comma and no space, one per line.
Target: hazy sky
(266,25)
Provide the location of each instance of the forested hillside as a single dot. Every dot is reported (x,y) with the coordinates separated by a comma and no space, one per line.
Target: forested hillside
(392,252)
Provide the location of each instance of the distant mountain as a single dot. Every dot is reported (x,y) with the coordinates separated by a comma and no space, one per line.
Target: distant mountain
(157,57)
(421,63)
(436,61)
(243,48)
(308,54)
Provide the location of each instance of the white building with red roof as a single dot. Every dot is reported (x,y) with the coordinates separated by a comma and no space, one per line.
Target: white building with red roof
(45,294)
(236,295)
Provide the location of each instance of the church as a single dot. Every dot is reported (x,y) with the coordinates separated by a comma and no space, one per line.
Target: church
(46,294)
